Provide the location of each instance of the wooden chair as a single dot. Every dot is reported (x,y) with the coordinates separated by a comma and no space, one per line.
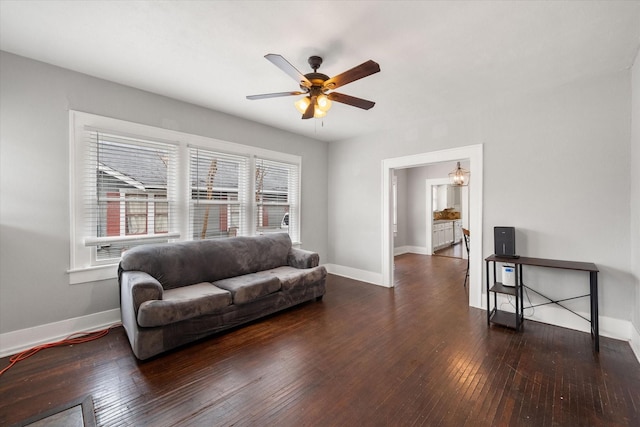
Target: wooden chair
(465,236)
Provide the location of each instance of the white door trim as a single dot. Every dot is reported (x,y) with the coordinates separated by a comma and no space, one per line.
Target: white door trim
(430,183)
(475,155)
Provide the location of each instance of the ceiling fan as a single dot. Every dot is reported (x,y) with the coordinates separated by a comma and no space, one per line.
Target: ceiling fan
(317,86)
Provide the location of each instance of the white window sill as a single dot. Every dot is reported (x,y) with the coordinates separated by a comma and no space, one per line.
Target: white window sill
(92,274)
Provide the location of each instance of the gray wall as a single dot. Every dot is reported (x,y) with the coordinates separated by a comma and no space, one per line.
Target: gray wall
(35,99)
(556,166)
(567,148)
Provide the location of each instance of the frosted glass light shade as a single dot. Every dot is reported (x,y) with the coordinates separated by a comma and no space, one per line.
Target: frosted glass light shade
(459,177)
(323,103)
(302,104)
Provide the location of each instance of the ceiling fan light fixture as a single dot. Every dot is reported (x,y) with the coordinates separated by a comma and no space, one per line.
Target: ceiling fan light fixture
(318,113)
(315,85)
(302,104)
(323,103)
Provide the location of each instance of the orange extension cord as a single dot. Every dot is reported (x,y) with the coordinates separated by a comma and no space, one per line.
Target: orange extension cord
(76,338)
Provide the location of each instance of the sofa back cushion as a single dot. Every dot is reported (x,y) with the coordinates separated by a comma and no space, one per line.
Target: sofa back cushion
(185,263)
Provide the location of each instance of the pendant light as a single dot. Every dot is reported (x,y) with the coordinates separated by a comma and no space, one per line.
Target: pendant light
(459,177)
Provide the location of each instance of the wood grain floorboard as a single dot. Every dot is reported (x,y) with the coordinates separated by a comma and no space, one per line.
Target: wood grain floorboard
(415,355)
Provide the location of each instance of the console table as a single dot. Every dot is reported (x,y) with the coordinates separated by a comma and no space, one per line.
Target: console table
(499,317)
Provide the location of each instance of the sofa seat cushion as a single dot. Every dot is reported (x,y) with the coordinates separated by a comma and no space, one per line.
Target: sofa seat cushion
(291,277)
(183,303)
(248,287)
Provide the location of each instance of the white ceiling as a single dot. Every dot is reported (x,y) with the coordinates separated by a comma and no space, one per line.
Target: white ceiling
(436,57)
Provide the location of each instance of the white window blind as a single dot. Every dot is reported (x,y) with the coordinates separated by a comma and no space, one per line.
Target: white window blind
(277,189)
(219,189)
(128,193)
(133,184)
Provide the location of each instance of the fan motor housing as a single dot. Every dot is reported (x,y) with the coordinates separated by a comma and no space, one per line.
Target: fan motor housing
(316,79)
(315,62)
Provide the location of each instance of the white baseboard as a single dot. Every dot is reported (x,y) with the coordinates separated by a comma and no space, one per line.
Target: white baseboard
(609,326)
(401,250)
(356,274)
(635,342)
(16,341)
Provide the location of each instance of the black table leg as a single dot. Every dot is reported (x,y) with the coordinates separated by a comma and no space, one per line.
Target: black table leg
(488,297)
(595,327)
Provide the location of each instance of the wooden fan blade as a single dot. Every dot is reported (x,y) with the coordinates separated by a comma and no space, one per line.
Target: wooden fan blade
(274,95)
(351,100)
(285,66)
(311,109)
(363,70)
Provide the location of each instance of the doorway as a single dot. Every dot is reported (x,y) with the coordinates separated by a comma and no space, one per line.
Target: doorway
(434,203)
(472,153)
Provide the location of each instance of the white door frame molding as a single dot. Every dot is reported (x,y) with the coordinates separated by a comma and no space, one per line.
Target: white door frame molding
(474,153)
(429,184)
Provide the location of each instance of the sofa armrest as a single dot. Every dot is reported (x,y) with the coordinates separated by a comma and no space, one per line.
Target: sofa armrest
(140,287)
(299,258)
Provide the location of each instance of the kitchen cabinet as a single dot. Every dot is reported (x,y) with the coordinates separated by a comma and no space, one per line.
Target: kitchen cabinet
(457,231)
(443,234)
(453,196)
(448,233)
(448,196)
(438,235)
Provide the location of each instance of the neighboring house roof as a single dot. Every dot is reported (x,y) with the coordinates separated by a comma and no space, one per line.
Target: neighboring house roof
(123,162)
(226,175)
(139,166)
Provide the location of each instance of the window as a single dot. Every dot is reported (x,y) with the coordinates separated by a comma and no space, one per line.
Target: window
(124,191)
(218,194)
(133,184)
(276,190)
(160,213)
(136,217)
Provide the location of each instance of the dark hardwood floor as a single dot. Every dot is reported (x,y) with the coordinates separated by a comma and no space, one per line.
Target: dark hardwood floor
(365,356)
(454,251)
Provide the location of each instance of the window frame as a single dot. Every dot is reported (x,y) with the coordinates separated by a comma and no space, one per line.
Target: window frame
(83,265)
(292,203)
(242,191)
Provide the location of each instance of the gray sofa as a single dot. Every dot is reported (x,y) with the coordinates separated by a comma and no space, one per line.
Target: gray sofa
(174,293)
